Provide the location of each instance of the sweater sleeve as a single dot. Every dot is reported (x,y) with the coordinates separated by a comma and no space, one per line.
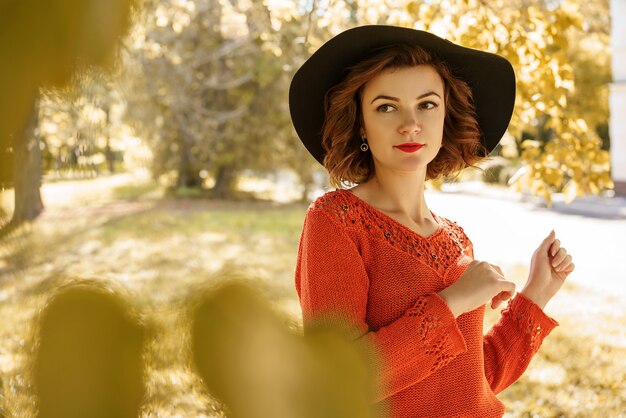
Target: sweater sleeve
(333,284)
(513,341)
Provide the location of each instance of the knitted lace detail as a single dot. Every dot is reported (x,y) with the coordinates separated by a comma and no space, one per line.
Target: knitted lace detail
(437,343)
(526,323)
(438,250)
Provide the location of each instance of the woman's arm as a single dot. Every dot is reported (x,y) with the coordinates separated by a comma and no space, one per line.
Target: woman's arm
(513,341)
(516,337)
(333,285)
(549,267)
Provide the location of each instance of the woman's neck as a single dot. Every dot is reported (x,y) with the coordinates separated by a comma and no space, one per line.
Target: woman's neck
(401,194)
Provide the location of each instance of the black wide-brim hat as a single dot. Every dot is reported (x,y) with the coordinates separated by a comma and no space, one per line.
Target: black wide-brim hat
(490,76)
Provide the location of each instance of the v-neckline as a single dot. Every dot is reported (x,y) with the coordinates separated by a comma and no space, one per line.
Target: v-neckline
(395,221)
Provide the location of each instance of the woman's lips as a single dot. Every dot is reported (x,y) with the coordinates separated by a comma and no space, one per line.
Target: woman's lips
(409,147)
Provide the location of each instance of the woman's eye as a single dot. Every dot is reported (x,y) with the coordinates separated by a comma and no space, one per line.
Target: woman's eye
(385,108)
(428,105)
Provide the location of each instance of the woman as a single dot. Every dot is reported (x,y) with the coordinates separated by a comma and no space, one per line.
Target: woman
(387,108)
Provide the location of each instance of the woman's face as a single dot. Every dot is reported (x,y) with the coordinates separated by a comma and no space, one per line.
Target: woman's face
(403,115)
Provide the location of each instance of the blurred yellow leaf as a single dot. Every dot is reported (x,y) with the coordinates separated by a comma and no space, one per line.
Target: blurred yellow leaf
(570,191)
(46,42)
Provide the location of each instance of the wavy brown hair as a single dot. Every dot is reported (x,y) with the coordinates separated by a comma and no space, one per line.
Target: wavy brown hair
(345,161)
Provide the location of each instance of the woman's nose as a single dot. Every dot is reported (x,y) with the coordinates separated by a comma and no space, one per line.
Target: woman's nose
(410,123)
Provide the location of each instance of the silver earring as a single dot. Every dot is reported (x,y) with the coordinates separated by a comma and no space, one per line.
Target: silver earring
(364,146)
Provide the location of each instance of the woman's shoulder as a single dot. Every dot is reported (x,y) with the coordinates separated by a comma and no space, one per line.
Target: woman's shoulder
(335,205)
(331,201)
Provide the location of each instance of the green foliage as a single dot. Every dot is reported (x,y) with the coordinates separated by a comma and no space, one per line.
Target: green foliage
(499,170)
(573,163)
(205,82)
(79,126)
(217,89)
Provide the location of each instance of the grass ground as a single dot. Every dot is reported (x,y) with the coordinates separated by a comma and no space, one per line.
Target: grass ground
(158,251)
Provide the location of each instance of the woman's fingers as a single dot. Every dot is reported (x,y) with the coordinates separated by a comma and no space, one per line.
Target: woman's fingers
(505,285)
(563,274)
(564,264)
(497,268)
(569,269)
(499,298)
(506,288)
(559,257)
(561,261)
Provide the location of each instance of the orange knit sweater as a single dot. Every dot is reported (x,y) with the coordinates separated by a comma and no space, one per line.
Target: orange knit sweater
(379,278)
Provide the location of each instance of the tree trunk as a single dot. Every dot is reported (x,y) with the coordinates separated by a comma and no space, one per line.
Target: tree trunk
(187,177)
(26,174)
(108,152)
(28,203)
(110,157)
(307,181)
(224,182)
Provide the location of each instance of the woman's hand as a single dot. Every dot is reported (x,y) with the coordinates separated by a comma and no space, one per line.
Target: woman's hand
(549,267)
(480,283)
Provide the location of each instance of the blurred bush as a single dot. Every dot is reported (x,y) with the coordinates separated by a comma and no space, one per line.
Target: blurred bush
(499,170)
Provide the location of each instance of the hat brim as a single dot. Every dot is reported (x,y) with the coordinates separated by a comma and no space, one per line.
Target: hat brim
(490,76)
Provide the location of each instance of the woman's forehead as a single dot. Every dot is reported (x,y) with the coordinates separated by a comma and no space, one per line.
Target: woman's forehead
(405,81)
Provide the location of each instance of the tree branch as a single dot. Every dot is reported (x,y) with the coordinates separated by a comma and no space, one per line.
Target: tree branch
(227,49)
(227,85)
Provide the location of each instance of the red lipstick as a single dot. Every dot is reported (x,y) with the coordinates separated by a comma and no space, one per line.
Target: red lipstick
(409,146)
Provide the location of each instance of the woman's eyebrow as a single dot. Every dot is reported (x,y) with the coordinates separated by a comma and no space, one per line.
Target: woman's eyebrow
(395,99)
(380,96)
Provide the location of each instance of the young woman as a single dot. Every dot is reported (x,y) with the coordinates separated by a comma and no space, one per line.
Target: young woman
(385,109)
